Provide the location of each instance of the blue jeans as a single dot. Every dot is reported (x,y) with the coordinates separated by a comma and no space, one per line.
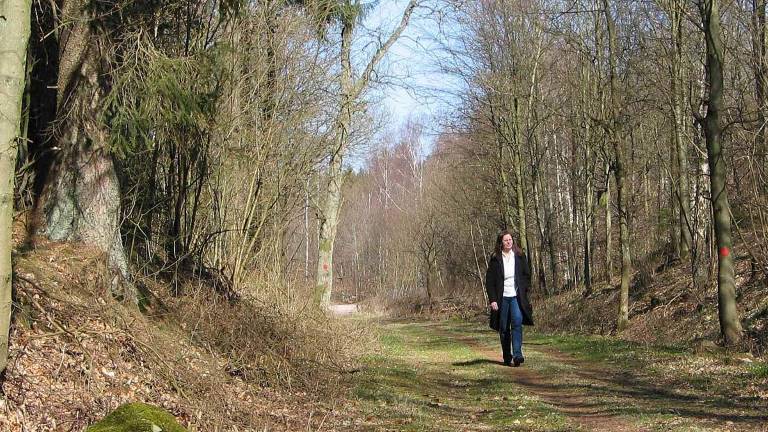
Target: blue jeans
(510,316)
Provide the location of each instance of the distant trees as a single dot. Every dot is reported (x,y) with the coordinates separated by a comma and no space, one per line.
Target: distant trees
(591,132)
(210,138)
(611,88)
(190,138)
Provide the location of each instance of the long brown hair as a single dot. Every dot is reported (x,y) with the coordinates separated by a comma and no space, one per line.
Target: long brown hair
(515,248)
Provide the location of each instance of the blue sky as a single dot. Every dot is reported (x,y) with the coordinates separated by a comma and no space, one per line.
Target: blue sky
(408,85)
(405,61)
(410,68)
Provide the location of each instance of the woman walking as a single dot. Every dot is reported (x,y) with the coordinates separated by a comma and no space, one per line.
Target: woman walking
(507,281)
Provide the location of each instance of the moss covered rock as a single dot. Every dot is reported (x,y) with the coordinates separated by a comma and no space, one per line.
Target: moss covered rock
(137,417)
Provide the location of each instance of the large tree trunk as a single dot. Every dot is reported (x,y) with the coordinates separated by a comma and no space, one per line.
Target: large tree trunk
(730,326)
(626,257)
(350,90)
(81,199)
(588,219)
(330,217)
(14,37)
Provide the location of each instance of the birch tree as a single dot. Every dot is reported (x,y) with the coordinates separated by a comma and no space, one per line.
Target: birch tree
(14,37)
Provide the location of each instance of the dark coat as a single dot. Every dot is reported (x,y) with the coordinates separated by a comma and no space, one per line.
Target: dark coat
(494,285)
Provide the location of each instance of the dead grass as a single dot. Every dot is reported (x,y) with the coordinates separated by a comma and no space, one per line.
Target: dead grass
(268,342)
(77,354)
(665,309)
(451,304)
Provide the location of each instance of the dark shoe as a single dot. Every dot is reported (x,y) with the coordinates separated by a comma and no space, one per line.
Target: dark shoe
(518,361)
(507,362)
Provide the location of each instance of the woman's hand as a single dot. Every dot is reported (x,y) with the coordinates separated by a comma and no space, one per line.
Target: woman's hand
(494,306)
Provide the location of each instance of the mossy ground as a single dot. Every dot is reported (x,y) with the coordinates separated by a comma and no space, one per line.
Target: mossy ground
(445,375)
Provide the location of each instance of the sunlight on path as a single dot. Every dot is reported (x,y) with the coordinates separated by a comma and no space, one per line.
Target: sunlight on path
(446,376)
(343,309)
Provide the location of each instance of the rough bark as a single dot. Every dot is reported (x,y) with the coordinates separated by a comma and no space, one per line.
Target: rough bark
(81,199)
(730,325)
(14,37)
(351,89)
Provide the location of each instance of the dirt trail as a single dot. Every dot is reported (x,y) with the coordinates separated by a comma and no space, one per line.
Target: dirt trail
(599,397)
(584,412)
(343,309)
(447,376)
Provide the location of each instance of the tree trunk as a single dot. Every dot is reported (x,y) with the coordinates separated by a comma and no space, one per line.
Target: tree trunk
(589,209)
(761,76)
(350,90)
(620,174)
(505,192)
(522,229)
(608,224)
(81,199)
(332,205)
(730,326)
(14,37)
(682,191)
(539,218)
(626,258)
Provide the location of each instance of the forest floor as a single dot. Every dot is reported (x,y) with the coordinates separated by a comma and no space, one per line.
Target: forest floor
(76,354)
(446,375)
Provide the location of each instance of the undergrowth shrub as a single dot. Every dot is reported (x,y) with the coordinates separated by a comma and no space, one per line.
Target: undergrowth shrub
(270,341)
(214,363)
(460,305)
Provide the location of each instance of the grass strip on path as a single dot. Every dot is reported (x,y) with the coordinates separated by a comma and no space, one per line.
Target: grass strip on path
(425,381)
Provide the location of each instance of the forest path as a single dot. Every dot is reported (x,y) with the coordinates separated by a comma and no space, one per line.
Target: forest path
(446,376)
(343,309)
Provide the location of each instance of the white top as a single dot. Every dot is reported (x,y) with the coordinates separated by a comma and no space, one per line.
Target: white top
(509,274)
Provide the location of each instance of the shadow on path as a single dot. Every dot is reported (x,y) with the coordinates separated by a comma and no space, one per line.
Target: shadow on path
(478,361)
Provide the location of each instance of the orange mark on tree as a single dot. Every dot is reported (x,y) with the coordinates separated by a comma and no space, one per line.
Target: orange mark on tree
(325,266)
(724,251)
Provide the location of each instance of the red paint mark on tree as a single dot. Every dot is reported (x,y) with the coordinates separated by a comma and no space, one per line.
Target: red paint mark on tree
(724,251)
(325,266)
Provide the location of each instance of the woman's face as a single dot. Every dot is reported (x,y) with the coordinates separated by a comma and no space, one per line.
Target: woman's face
(507,242)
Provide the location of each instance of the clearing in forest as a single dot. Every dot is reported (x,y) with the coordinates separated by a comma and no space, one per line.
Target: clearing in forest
(446,376)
